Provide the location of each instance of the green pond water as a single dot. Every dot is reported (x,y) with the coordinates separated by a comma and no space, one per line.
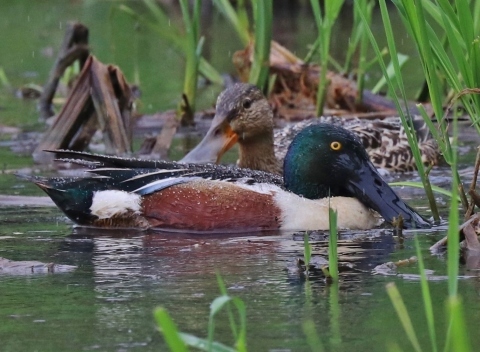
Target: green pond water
(107,302)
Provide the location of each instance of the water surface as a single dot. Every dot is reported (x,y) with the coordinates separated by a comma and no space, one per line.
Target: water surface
(106,303)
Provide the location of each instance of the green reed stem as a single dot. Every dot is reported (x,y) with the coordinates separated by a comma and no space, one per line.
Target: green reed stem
(453,250)
(324,27)
(263,17)
(237,18)
(333,301)
(171,34)
(459,337)
(403,315)
(4,79)
(394,84)
(457,59)
(366,7)
(332,245)
(313,339)
(307,251)
(427,298)
(186,108)
(231,318)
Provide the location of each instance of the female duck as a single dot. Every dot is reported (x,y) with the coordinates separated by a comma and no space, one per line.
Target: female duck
(244,115)
(324,160)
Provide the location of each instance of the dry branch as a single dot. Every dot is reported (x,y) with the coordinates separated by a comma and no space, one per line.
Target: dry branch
(74,47)
(102,94)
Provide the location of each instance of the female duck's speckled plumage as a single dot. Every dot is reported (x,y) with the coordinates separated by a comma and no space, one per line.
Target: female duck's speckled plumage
(244,114)
(120,192)
(384,139)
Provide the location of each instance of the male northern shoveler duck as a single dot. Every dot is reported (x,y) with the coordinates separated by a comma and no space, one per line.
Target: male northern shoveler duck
(244,115)
(323,160)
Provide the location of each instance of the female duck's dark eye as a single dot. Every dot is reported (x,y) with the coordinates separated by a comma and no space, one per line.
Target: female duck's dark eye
(247,103)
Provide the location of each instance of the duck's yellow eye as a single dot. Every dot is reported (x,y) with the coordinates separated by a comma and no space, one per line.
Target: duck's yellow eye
(336,145)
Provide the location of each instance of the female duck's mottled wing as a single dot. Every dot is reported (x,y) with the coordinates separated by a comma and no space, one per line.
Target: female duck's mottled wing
(384,139)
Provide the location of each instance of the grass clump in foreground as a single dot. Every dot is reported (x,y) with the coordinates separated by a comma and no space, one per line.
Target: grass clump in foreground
(455,57)
(179,341)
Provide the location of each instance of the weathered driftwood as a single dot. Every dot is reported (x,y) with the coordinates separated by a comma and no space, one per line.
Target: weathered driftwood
(100,94)
(294,92)
(159,145)
(74,47)
(468,232)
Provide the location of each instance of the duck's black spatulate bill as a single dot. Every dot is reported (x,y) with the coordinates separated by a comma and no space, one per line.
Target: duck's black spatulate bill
(369,187)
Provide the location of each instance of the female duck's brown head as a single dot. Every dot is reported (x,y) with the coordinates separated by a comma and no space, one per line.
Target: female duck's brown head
(242,115)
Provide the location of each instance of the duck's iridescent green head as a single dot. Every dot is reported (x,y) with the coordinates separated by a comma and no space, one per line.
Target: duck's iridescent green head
(326,160)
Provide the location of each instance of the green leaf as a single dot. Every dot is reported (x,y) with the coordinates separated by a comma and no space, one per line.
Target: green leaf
(402,59)
(203,344)
(169,331)
(420,185)
(403,315)
(458,326)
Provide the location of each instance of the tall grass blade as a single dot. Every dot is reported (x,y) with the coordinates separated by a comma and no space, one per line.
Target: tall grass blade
(238,20)
(169,331)
(161,25)
(332,244)
(311,334)
(186,108)
(402,60)
(453,250)
(403,315)
(4,79)
(307,251)
(414,184)
(427,298)
(325,24)
(333,300)
(393,347)
(203,344)
(231,318)
(393,85)
(366,7)
(217,305)
(459,336)
(263,17)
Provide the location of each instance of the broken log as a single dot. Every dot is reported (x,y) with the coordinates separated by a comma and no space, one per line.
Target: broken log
(74,47)
(295,88)
(100,93)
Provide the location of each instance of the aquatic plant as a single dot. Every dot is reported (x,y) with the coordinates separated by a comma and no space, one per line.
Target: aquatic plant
(189,44)
(332,245)
(186,108)
(397,87)
(444,34)
(237,17)
(4,80)
(360,37)
(178,341)
(307,251)
(263,15)
(325,22)
(456,335)
(262,34)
